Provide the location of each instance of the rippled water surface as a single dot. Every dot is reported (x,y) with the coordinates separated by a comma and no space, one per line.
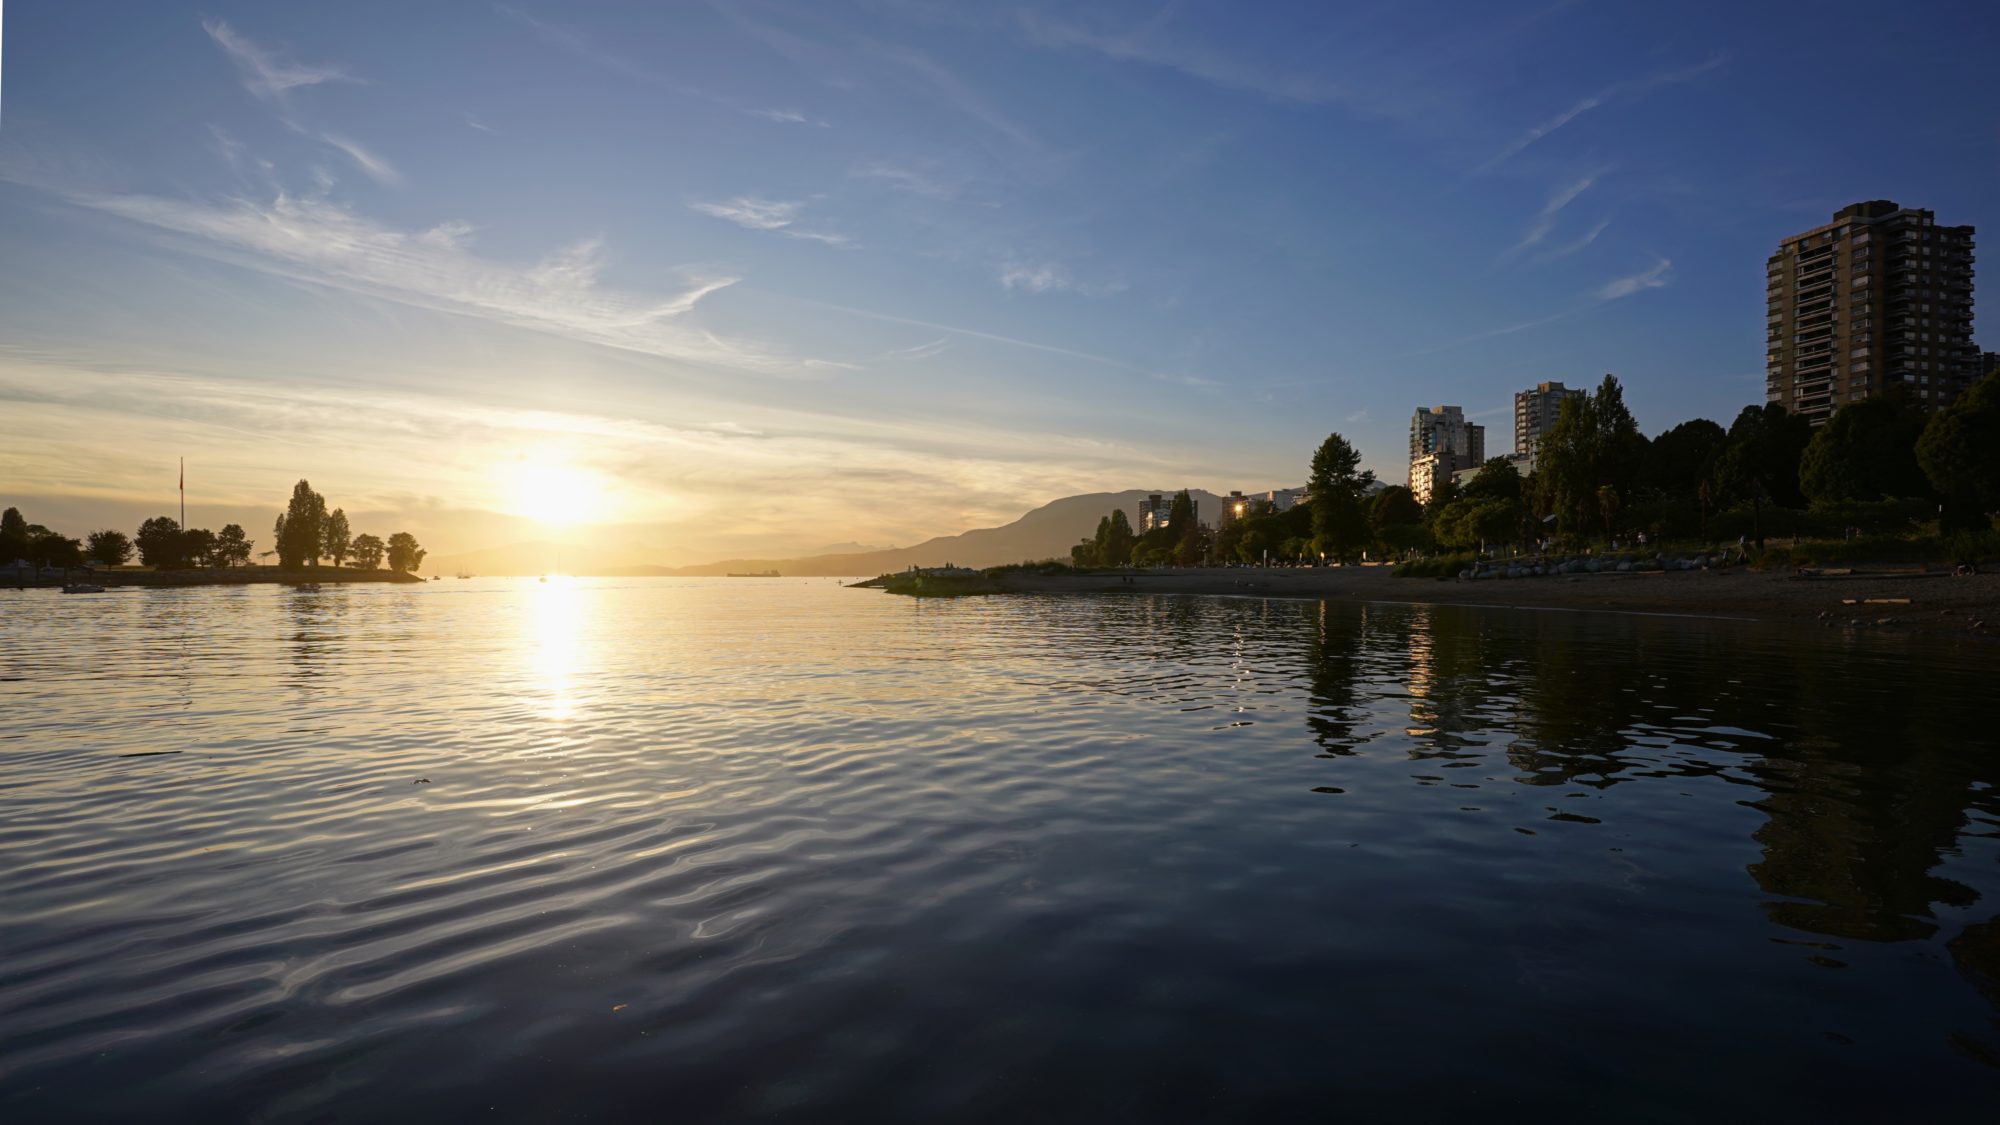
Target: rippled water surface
(708,850)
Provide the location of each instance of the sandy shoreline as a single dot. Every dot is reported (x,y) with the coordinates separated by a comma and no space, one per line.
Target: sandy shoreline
(1937,603)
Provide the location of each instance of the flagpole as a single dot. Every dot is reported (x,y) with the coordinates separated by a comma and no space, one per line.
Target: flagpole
(184,493)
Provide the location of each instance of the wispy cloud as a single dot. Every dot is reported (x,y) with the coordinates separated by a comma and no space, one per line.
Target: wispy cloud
(922,351)
(776,215)
(905,178)
(960,94)
(1150,45)
(325,243)
(1656,277)
(270,77)
(1631,88)
(264,72)
(1052,277)
(483,127)
(1545,221)
(786,117)
(369,162)
(583,47)
(1574,245)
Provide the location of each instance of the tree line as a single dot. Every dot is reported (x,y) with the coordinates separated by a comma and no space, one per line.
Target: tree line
(1332,521)
(1879,464)
(306,532)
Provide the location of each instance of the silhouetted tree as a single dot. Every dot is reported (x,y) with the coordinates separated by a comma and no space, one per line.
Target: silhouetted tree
(1119,539)
(367,552)
(1960,454)
(1679,460)
(1594,444)
(404,554)
(301,531)
(13,535)
(1338,484)
(336,542)
(110,548)
(232,548)
(1866,451)
(198,547)
(1760,463)
(161,545)
(1496,480)
(47,548)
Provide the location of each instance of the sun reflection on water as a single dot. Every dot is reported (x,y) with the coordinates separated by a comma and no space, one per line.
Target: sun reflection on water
(556,649)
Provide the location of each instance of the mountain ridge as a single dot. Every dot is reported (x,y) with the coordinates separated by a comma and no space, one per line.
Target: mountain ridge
(1044,532)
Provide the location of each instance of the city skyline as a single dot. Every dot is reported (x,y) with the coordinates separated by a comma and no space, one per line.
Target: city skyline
(750,279)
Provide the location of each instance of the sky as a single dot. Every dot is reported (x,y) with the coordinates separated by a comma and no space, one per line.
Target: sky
(689,281)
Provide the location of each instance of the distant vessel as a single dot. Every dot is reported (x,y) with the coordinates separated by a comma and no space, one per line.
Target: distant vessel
(759,574)
(463,574)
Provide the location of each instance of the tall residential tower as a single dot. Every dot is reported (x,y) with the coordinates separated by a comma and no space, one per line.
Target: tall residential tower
(1879,297)
(1441,443)
(1535,413)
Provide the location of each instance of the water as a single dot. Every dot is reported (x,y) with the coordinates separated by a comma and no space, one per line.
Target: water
(718,850)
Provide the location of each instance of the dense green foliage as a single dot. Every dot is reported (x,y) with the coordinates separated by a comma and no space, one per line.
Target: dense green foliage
(1960,455)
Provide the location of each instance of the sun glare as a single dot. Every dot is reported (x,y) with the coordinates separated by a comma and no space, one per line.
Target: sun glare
(552,491)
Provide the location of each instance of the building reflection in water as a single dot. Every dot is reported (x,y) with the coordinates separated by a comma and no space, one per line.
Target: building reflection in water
(1865,761)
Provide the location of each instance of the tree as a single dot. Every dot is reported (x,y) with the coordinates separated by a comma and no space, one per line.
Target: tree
(1337,484)
(1678,461)
(1761,461)
(1866,451)
(1496,480)
(47,548)
(160,543)
(1119,539)
(335,540)
(13,535)
(1189,544)
(198,547)
(301,531)
(231,547)
(1594,444)
(367,552)
(110,548)
(1394,506)
(1960,455)
(404,554)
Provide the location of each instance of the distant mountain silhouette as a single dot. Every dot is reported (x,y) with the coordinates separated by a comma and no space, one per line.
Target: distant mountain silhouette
(1047,532)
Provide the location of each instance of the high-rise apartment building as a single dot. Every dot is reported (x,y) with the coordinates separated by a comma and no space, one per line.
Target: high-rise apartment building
(1879,297)
(1535,413)
(1441,443)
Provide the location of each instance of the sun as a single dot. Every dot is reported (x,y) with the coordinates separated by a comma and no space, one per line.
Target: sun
(547,488)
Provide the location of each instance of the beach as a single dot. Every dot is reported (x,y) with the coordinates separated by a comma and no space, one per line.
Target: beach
(1937,602)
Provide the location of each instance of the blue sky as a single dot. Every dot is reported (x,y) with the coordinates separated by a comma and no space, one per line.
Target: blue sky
(763,276)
